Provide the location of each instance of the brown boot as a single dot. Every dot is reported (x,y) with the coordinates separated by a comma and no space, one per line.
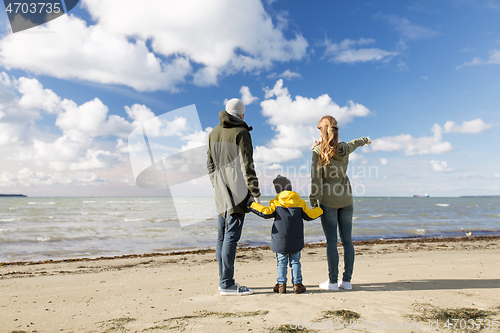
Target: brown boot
(280,288)
(299,288)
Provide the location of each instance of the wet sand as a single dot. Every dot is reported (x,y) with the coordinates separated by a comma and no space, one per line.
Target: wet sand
(398,286)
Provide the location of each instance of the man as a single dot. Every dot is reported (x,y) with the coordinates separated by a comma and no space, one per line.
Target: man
(232,173)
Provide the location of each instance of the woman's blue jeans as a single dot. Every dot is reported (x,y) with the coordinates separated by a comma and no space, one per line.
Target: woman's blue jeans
(332,219)
(294,266)
(229,233)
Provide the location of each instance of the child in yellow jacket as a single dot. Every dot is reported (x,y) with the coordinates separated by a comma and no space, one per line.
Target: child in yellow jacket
(287,236)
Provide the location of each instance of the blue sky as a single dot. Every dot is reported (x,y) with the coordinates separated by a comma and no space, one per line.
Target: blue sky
(420,78)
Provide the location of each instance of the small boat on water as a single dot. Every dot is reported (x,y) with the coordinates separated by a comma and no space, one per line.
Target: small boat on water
(421,195)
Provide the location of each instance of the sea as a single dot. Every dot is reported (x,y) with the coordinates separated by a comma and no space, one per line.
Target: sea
(58,228)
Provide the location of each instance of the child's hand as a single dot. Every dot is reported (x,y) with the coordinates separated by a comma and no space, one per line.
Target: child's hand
(369,141)
(257,199)
(314,203)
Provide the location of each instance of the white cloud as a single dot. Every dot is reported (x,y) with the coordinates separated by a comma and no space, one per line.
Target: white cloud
(24,101)
(196,139)
(140,113)
(440,166)
(9,133)
(246,96)
(35,97)
(402,66)
(281,108)
(355,157)
(424,145)
(90,53)
(17,115)
(295,121)
(5,79)
(91,118)
(476,61)
(410,145)
(96,160)
(289,75)
(275,166)
(384,161)
(497,175)
(407,29)
(494,57)
(156,49)
(472,126)
(27,177)
(275,154)
(347,51)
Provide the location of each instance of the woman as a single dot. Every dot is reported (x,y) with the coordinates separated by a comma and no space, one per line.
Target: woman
(330,187)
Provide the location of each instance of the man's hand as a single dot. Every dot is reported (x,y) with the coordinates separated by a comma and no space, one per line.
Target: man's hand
(369,141)
(314,203)
(257,199)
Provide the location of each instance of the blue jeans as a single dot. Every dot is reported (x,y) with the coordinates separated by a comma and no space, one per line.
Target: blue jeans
(229,234)
(330,220)
(294,265)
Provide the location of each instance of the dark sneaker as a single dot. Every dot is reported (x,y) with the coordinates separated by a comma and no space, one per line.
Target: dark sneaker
(299,288)
(236,290)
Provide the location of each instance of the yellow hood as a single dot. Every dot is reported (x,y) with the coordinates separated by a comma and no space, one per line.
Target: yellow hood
(287,198)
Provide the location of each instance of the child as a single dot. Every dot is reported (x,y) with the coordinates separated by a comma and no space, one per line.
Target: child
(287,235)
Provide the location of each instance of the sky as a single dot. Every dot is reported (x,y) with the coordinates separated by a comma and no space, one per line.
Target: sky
(420,78)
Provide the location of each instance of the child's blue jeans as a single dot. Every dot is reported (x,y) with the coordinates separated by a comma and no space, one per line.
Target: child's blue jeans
(283,260)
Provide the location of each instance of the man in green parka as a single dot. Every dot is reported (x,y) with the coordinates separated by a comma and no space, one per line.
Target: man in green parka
(232,173)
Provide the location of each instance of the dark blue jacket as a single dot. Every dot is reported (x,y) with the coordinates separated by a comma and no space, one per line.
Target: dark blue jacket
(289,212)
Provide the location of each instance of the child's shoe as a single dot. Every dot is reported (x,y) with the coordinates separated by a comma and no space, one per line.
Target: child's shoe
(299,288)
(280,288)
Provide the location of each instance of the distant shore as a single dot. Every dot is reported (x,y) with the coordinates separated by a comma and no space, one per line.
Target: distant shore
(479,196)
(13,195)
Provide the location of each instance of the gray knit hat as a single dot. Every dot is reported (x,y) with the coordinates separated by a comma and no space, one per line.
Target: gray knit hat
(235,107)
(282,184)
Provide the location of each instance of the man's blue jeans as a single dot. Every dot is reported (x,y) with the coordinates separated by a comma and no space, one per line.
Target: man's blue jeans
(229,234)
(330,220)
(294,265)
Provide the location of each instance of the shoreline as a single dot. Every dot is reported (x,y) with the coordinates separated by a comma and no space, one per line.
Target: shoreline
(394,281)
(252,248)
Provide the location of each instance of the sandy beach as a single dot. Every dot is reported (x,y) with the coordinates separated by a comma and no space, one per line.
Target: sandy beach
(398,286)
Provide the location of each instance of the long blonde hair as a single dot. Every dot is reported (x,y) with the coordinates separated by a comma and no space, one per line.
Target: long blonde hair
(329,138)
